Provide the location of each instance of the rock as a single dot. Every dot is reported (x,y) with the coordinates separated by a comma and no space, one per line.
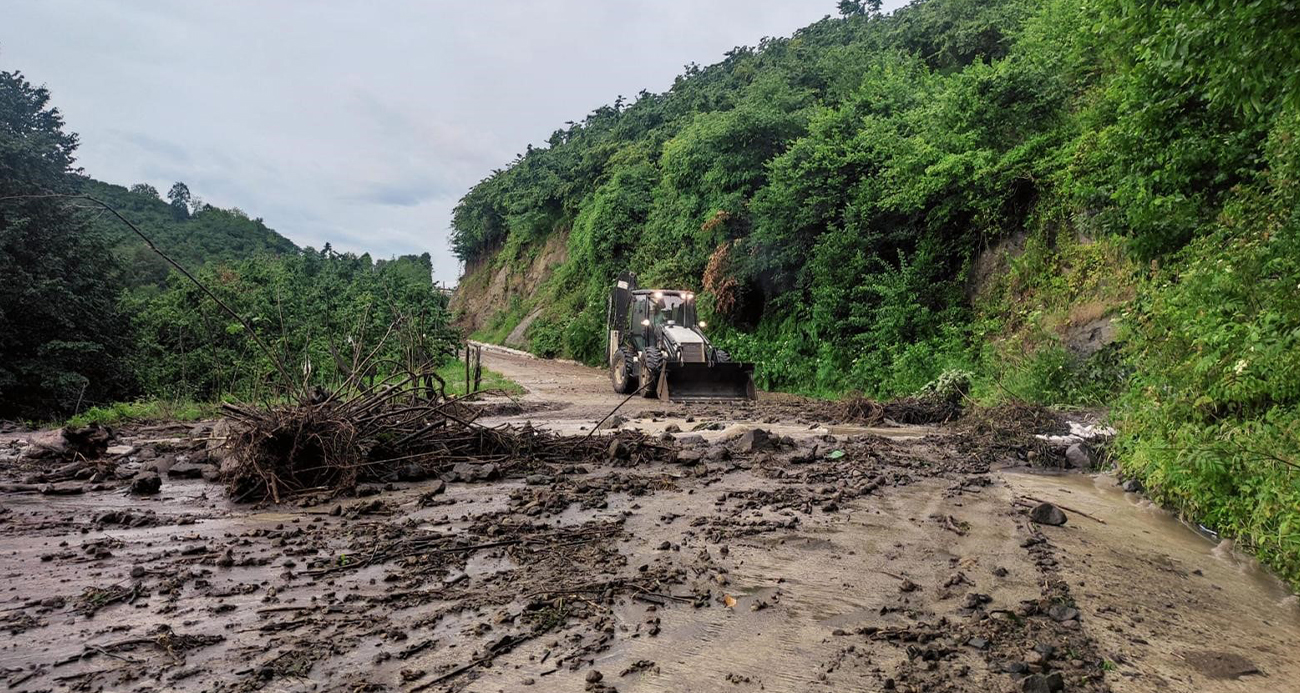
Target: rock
(1131,486)
(160,465)
(804,456)
(978,643)
(717,453)
(468,472)
(119,450)
(672,428)
(1061,612)
(412,472)
(185,470)
(666,437)
(146,483)
(46,444)
(537,480)
(753,440)
(1080,456)
(436,487)
(1043,683)
(707,426)
(594,676)
(618,450)
(137,571)
(1047,514)
(612,422)
(689,457)
(690,441)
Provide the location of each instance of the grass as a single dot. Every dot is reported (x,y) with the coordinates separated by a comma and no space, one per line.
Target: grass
(145,410)
(454,374)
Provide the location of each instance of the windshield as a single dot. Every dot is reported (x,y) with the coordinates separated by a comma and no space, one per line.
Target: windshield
(673,308)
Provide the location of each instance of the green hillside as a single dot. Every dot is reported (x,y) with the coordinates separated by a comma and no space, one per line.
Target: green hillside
(1078,202)
(192,234)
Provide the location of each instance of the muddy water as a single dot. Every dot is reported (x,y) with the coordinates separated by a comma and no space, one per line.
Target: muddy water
(1174,608)
(793,591)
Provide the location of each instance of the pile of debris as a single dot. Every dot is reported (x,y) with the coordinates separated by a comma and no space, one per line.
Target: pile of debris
(330,443)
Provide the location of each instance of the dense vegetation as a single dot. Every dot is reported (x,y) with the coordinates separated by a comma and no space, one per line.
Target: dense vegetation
(192,232)
(842,198)
(89,316)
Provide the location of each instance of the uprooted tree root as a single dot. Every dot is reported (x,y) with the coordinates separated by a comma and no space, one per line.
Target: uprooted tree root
(332,445)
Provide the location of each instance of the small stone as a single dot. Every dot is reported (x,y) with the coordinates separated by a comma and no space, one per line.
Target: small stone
(1061,613)
(1131,486)
(146,483)
(119,450)
(618,450)
(1080,456)
(594,676)
(1043,683)
(753,440)
(137,571)
(672,428)
(689,457)
(1047,514)
(978,643)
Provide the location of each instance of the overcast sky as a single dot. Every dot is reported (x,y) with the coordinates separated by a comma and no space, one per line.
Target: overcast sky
(356,123)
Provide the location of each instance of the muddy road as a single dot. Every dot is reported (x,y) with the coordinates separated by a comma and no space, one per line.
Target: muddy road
(780,550)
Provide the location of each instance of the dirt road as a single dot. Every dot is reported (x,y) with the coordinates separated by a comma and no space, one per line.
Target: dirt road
(818,557)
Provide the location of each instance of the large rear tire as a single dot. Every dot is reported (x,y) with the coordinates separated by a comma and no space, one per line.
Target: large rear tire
(620,372)
(652,362)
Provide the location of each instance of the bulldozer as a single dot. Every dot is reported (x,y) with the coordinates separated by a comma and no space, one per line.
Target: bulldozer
(657,345)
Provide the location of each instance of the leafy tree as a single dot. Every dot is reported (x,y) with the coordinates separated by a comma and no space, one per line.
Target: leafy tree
(145,190)
(62,340)
(179,197)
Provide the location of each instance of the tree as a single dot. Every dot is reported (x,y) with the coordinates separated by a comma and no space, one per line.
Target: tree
(852,8)
(62,339)
(179,196)
(146,190)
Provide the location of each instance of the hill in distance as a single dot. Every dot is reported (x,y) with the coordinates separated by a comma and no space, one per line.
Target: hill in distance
(193,234)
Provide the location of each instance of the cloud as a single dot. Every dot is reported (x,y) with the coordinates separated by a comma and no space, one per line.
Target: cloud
(357,124)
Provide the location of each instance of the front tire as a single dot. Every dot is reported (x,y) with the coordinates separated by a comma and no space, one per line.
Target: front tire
(620,372)
(652,362)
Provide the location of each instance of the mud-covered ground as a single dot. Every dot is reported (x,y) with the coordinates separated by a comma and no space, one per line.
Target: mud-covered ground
(821,557)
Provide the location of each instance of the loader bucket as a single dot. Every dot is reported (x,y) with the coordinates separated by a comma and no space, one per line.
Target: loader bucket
(688,382)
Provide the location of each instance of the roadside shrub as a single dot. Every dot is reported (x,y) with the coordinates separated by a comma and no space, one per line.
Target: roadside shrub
(1212,420)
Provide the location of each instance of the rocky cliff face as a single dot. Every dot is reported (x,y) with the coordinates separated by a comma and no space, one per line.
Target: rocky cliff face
(491,287)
